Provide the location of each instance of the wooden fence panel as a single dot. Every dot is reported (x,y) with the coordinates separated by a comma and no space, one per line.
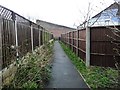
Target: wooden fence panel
(82,44)
(24,39)
(35,37)
(70,40)
(41,38)
(74,42)
(8,40)
(67,38)
(101,45)
(102,53)
(16,36)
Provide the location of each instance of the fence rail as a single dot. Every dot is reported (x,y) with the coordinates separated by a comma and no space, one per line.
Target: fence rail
(101,46)
(18,36)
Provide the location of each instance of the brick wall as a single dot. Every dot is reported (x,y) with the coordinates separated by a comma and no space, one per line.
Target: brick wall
(57,30)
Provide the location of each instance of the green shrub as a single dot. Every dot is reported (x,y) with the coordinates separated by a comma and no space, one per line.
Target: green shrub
(34,69)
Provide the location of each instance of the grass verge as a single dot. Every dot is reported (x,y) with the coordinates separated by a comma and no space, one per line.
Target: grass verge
(95,76)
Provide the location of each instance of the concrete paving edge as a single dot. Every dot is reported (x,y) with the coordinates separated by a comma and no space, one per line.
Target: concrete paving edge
(82,77)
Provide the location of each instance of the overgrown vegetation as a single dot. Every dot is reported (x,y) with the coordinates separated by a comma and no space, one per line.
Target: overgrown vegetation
(95,76)
(34,69)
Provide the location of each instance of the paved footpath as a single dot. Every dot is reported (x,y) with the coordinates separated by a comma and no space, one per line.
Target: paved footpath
(64,74)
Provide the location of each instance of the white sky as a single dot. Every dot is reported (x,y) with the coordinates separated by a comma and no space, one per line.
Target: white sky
(64,12)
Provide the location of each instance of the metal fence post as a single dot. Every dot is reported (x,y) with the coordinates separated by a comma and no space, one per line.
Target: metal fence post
(32,37)
(87,46)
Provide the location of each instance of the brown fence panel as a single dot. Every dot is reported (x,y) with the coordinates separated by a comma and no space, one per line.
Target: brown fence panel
(16,36)
(82,44)
(102,53)
(41,37)
(75,42)
(70,39)
(67,36)
(8,40)
(24,38)
(101,45)
(35,37)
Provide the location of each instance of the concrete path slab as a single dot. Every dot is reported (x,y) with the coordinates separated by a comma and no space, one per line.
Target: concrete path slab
(64,74)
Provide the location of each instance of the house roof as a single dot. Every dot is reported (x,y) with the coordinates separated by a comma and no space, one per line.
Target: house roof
(38,21)
(112,6)
(108,16)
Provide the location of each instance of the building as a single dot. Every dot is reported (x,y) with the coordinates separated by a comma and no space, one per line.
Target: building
(56,29)
(107,17)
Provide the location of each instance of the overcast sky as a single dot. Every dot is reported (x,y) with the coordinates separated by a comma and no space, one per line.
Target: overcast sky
(64,12)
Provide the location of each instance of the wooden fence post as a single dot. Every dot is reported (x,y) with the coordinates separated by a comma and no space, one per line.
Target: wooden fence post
(87,46)
(1,60)
(32,37)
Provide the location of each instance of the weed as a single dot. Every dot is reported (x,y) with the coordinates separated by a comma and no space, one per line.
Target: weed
(34,69)
(96,77)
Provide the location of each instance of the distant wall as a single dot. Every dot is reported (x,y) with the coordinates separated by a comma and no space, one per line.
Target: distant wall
(57,30)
